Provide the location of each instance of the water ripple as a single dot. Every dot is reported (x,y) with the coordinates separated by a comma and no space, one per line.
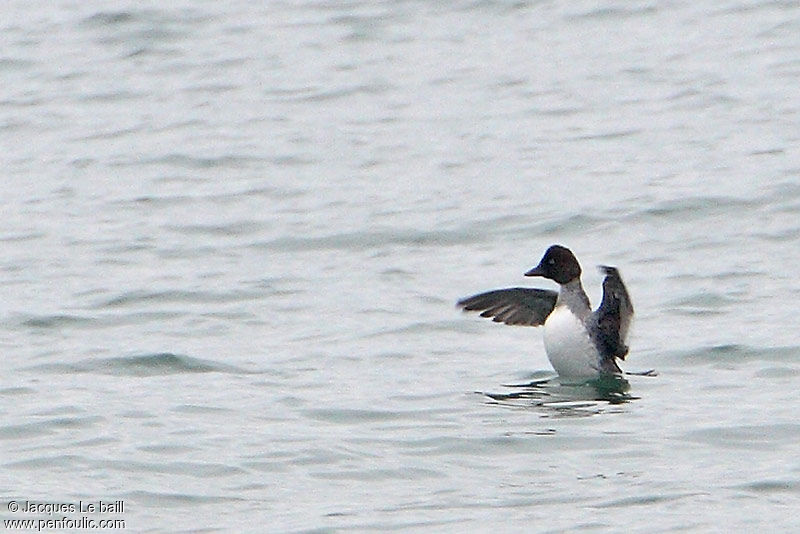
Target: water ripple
(164,363)
(152,498)
(741,353)
(771,486)
(137,297)
(746,437)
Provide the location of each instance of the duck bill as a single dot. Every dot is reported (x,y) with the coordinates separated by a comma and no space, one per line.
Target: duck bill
(536,271)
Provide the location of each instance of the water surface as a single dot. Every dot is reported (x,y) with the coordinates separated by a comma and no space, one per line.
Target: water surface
(233,236)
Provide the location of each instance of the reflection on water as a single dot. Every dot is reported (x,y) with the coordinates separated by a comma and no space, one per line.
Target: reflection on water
(566,398)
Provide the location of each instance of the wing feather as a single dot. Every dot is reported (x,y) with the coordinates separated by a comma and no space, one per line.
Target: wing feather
(613,318)
(522,306)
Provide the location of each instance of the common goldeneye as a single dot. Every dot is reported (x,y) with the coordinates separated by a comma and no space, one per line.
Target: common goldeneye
(578,341)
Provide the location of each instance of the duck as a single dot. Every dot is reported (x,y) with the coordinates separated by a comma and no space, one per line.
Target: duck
(579,342)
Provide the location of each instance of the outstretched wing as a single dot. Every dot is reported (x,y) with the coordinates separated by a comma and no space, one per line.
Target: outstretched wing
(613,317)
(524,306)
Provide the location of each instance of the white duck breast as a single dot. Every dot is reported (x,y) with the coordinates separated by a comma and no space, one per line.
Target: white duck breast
(568,346)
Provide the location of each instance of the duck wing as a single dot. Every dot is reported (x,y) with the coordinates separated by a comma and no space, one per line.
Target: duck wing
(523,306)
(613,318)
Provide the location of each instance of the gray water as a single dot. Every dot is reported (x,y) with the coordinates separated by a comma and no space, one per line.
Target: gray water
(233,235)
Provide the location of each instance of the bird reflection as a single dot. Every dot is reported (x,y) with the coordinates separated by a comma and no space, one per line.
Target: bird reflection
(561,398)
